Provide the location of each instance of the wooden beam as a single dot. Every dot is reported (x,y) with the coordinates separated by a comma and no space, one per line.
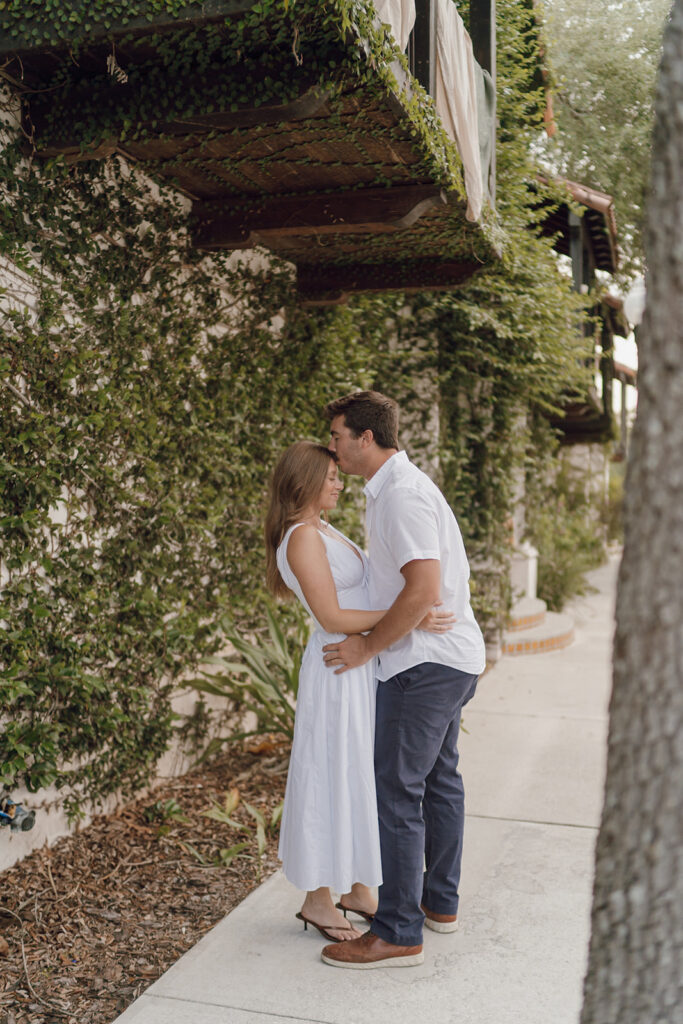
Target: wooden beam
(422,45)
(576,250)
(149,22)
(330,285)
(362,211)
(121,100)
(483,35)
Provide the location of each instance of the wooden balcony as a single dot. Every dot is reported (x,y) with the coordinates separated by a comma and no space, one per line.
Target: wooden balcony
(584,228)
(287,127)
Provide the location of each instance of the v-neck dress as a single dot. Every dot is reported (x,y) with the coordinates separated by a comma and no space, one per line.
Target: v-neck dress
(329,834)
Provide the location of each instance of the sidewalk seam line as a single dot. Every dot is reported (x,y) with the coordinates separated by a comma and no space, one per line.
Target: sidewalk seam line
(226,1006)
(533,821)
(522,714)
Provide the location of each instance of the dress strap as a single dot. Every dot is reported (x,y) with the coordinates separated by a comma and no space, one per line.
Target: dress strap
(347,542)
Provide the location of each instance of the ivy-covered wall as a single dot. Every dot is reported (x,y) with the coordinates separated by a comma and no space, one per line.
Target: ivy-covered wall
(140,412)
(143,401)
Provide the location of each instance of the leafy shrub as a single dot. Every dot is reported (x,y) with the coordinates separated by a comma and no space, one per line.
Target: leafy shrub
(263,678)
(613,506)
(567,529)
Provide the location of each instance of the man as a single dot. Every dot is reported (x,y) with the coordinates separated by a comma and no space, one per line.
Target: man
(417,559)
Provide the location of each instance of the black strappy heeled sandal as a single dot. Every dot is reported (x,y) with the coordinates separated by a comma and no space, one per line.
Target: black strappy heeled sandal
(323,931)
(352,910)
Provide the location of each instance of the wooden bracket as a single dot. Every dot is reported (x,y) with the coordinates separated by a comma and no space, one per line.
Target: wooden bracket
(361,211)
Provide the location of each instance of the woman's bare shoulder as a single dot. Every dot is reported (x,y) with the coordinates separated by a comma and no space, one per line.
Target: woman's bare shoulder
(305,538)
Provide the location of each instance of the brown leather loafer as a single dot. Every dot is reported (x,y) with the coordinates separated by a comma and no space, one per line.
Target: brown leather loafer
(439,922)
(370,951)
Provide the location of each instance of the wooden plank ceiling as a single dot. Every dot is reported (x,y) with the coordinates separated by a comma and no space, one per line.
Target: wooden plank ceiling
(335,178)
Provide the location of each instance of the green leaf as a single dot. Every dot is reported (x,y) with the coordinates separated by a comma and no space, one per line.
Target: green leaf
(225,857)
(276,815)
(256,814)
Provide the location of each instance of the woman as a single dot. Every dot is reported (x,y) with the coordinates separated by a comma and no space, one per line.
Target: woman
(329,835)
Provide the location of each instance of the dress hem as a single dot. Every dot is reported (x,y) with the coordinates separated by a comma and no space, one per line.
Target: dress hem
(324,882)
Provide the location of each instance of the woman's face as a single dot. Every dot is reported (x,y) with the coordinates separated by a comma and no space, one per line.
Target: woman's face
(332,488)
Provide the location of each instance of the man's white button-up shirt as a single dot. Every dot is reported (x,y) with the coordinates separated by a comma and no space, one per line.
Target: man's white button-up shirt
(408,518)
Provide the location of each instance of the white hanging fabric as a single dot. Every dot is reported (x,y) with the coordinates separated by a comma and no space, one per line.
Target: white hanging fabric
(456,97)
(400,15)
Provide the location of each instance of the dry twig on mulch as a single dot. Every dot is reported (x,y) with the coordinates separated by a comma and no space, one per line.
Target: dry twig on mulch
(93,921)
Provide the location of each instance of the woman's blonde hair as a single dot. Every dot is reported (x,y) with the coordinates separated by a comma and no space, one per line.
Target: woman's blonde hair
(297,480)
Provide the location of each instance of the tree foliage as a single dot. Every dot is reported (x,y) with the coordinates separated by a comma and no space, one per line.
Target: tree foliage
(604,58)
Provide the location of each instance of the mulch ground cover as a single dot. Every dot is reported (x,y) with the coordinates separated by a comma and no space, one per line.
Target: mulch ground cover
(88,924)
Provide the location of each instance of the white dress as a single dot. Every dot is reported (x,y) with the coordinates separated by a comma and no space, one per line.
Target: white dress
(329,834)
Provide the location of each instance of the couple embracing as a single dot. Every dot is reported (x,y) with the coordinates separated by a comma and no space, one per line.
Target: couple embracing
(374,796)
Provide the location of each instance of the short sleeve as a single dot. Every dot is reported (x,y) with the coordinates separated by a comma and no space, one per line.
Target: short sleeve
(410,527)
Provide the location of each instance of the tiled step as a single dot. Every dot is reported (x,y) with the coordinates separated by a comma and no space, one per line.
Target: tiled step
(556,631)
(526,614)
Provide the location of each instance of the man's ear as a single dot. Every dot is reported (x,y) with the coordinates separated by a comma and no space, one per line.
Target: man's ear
(367,437)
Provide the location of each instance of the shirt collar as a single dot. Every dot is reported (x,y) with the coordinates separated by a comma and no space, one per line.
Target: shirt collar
(377,482)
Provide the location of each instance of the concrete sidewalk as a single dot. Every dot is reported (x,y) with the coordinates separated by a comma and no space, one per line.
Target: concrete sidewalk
(533,762)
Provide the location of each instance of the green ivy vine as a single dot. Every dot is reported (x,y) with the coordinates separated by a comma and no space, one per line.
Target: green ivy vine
(146,389)
(257,54)
(143,400)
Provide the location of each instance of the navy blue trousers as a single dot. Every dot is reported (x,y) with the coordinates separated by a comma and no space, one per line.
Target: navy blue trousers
(420,796)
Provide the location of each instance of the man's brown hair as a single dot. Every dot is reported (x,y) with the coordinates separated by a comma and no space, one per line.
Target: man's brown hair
(368,410)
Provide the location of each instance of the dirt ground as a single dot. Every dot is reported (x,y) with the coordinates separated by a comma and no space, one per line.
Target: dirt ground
(87,925)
